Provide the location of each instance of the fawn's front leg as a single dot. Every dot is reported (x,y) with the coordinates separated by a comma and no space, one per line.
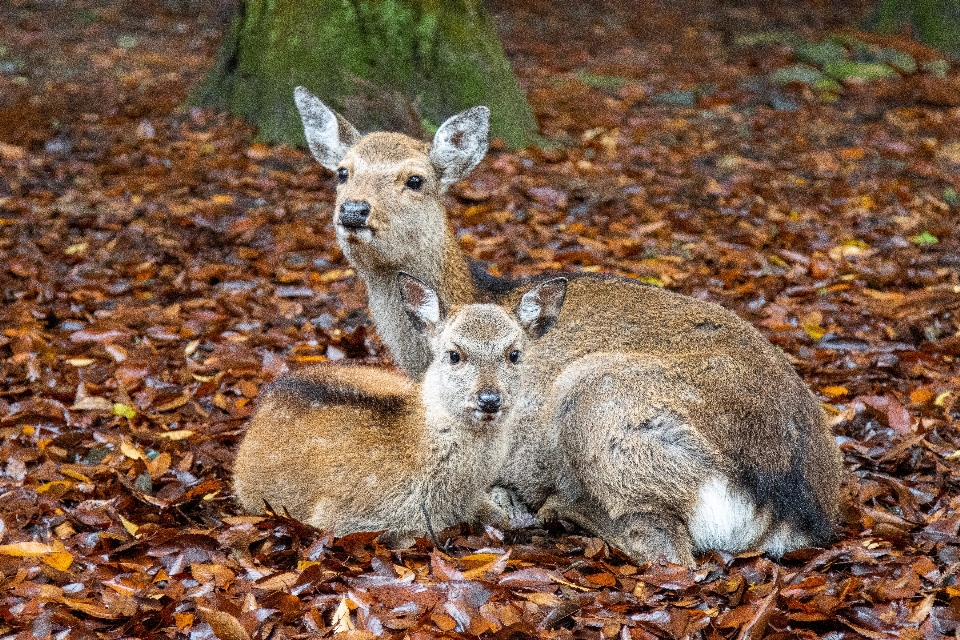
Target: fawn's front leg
(502,507)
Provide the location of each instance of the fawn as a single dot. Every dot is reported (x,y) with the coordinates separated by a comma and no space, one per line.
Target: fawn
(359,448)
(664,423)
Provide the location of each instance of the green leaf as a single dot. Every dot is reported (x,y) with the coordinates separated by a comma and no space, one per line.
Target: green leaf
(767,37)
(863,71)
(827,86)
(897,59)
(950,196)
(612,83)
(820,54)
(797,73)
(126,41)
(144,483)
(856,44)
(676,98)
(120,409)
(924,238)
(655,281)
(937,68)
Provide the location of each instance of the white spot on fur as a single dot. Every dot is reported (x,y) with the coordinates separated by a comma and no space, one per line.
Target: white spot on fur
(528,310)
(725,518)
(783,539)
(324,515)
(353,235)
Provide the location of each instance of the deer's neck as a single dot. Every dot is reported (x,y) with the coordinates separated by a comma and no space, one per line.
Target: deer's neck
(446,271)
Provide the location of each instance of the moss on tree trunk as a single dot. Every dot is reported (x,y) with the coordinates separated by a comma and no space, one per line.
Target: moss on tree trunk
(402,65)
(932,22)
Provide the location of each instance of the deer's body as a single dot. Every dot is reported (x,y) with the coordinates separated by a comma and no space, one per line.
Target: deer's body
(664,423)
(358,448)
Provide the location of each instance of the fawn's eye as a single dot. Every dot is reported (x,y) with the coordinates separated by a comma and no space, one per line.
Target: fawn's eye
(342,175)
(514,356)
(454,357)
(415,183)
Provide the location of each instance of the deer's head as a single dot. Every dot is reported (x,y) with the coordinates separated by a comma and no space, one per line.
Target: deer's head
(388,212)
(478,350)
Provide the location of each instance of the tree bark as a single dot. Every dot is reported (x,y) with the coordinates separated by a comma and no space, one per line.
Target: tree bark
(402,65)
(932,22)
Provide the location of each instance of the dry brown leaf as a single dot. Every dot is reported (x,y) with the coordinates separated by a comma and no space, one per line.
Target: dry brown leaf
(224,625)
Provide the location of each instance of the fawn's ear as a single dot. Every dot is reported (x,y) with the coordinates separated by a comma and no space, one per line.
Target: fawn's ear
(539,307)
(420,302)
(460,144)
(329,135)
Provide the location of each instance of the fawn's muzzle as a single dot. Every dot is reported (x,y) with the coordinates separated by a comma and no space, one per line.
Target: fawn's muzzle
(354,214)
(488,400)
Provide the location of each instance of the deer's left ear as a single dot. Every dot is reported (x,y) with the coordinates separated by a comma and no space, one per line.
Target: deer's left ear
(539,307)
(460,144)
(420,302)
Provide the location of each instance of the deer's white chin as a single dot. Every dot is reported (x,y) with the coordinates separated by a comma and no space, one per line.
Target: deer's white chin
(483,419)
(354,235)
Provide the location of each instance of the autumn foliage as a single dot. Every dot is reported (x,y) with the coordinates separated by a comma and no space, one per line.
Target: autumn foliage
(157,268)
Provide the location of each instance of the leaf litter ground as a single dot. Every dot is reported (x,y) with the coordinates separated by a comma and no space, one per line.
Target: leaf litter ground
(158,267)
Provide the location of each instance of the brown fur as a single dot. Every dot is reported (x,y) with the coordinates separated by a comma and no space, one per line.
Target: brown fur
(655,419)
(363,449)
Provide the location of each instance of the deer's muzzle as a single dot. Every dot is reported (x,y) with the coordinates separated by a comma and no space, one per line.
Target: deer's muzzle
(488,400)
(354,214)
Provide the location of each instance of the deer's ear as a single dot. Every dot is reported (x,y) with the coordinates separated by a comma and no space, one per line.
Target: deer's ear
(420,302)
(328,133)
(460,144)
(539,307)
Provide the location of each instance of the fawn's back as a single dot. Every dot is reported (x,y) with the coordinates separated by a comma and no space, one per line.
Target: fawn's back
(330,435)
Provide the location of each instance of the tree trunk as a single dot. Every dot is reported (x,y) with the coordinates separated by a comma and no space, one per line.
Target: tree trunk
(932,22)
(402,65)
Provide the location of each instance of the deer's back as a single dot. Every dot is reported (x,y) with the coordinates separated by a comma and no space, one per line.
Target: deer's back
(348,439)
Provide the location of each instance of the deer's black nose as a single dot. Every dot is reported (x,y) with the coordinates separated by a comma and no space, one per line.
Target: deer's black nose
(354,214)
(488,400)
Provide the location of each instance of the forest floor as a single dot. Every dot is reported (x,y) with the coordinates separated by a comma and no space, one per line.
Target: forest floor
(158,266)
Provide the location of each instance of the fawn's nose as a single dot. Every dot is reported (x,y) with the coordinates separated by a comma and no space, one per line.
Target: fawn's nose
(354,214)
(488,400)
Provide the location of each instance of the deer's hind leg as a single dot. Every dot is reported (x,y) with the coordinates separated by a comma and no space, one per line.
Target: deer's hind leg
(632,449)
(644,536)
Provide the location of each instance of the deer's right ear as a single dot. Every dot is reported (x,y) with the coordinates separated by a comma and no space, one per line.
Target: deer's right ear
(420,302)
(328,133)
(539,307)
(460,144)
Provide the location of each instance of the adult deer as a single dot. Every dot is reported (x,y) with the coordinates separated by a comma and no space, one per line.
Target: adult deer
(665,423)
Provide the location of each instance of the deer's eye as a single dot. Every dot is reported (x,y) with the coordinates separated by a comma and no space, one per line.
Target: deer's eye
(415,183)
(514,356)
(342,175)
(454,357)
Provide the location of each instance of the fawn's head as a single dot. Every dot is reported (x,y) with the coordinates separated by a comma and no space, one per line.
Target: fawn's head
(478,350)
(388,210)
